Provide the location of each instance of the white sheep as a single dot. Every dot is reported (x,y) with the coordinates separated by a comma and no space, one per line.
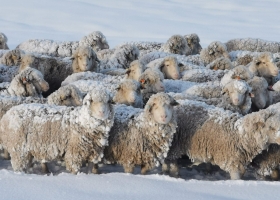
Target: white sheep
(215,50)
(11,58)
(68,95)
(252,44)
(29,82)
(136,68)
(95,40)
(47,133)
(142,137)
(207,134)
(84,59)
(3,41)
(221,63)
(193,43)
(176,44)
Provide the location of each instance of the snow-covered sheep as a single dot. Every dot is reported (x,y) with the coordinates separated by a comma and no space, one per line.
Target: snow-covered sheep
(262,96)
(136,68)
(11,58)
(84,59)
(142,137)
(123,92)
(267,163)
(264,65)
(244,60)
(168,66)
(152,82)
(27,60)
(121,58)
(47,132)
(7,73)
(252,44)
(240,72)
(220,63)
(95,40)
(215,50)
(200,74)
(29,82)
(68,95)
(193,43)
(3,41)
(176,44)
(207,134)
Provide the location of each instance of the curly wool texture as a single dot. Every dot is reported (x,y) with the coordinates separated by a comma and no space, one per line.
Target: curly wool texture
(239,72)
(29,82)
(95,40)
(210,134)
(136,139)
(121,58)
(7,73)
(84,53)
(55,132)
(68,95)
(215,50)
(252,44)
(220,63)
(193,43)
(3,41)
(11,58)
(202,75)
(268,161)
(176,44)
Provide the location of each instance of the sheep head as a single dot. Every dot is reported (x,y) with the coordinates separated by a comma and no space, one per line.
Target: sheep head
(193,42)
(241,73)
(70,95)
(152,81)
(3,41)
(98,103)
(170,68)
(95,40)
(84,59)
(128,92)
(262,94)
(160,108)
(264,64)
(135,69)
(237,90)
(26,61)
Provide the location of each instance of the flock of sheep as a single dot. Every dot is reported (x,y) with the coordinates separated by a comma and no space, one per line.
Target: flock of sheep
(141,104)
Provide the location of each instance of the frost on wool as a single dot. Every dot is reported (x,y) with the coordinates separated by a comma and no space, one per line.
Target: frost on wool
(7,73)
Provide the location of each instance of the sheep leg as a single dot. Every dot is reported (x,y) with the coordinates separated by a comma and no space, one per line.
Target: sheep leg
(165,168)
(6,155)
(174,169)
(275,175)
(45,169)
(144,169)
(128,168)
(92,168)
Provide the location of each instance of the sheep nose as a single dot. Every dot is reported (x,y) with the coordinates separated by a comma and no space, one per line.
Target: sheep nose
(163,117)
(177,76)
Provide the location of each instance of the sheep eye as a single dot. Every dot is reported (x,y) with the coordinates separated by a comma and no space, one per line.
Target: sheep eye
(263,62)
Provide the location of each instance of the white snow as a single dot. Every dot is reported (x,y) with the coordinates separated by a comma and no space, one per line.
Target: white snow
(124,21)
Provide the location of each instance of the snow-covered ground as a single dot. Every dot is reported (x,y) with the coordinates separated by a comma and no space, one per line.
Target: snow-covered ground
(135,20)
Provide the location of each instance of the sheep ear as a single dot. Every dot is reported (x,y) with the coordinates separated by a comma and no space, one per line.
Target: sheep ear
(118,88)
(72,58)
(24,80)
(174,103)
(215,68)
(111,101)
(161,66)
(270,88)
(97,60)
(128,71)
(224,91)
(180,65)
(251,94)
(150,107)
(258,62)
(142,81)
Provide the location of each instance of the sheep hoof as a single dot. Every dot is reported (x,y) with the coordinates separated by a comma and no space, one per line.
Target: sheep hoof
(275,175)
(6,155)
(45,169)
(235,176)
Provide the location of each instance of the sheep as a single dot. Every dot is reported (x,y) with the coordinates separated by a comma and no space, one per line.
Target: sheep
(267,163)
(95,40)
(125,92)
(251,44)
(193,42)
(105,53)
(136,68)
(239,72)
(68,95)
(176,44)
(168,66)
(215,50)
(47,132)
(11,58)
(264,65)
(220,63)
(84,59)
(121,58)
(29,82)
(3,41)
(212,135)
(151,82)
(142,137)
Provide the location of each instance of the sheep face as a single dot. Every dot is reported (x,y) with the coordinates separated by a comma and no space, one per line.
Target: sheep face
(193,42)
(170,68)
(217,48)
(135,70)
(160,107)
(262,96)
(71,97)
(153,85)
(3,41)
(265,65)
(39,83)
(177,44)
(100,110)
(237,91)
(95,40)
(129,93)
(26,61)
